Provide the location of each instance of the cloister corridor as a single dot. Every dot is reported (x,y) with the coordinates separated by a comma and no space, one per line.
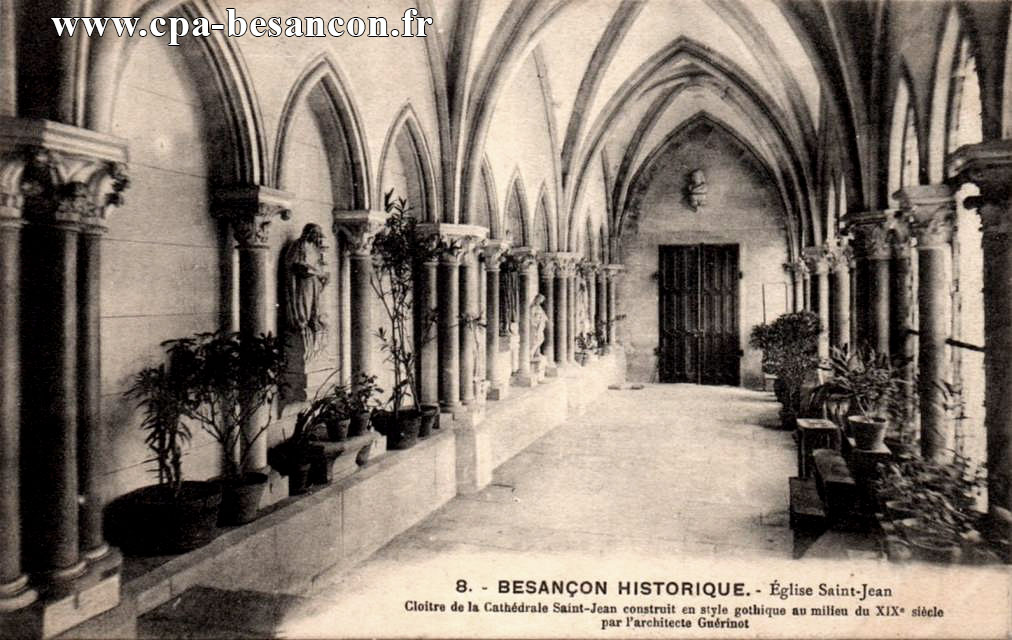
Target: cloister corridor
(670,471)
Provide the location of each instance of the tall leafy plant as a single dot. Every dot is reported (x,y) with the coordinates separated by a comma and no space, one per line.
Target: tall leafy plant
(165,397)
(872,381)
(790,346)
(398,251)
(229,378)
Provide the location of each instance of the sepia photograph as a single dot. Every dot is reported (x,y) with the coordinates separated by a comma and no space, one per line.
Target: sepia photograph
(505,319)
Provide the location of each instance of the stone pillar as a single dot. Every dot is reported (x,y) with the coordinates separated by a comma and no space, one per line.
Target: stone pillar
(572,329)
(525,262)
(546,271)
(359,229)
(839,264)
(449,326)
(249,210)
(930,210)
(989,166)
(14,591)
(561,311)
(591,276)
(818,265)
(469,318)
(428,351)
(900,291)
(612,302)
(602,306)
(870,233)
(797,269)
(494,252)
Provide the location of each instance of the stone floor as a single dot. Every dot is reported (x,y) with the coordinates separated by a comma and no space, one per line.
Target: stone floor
(684,470)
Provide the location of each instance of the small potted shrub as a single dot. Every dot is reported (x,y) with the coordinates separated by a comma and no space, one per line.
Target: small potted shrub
(335,413)
(292,456)
(398,251)
(174,515)
(790,346)
(586,344)
(231,377)
(363,399)
(874,387)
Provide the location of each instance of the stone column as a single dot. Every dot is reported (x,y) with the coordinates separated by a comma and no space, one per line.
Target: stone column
(449,326)
(572,329)
(469,317)
(249,210)
(797,270)
(612,302)
(818,265)
(839,264)
(930,210)
(546,271)
(428,351)
(92,438)
(359,229)
(14,591)
(989,166)
(525,262)
(602,306)
(494,253)
(870,233)
(591,275)
(561,311)
(899,286)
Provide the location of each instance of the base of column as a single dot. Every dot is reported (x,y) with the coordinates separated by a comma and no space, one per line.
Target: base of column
(551,370)
(525,380)
(16,595)
(93,593)
(498,391)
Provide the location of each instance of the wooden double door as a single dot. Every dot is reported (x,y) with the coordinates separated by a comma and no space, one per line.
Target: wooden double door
(698,306)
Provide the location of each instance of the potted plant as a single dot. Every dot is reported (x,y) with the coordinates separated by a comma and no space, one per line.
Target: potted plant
(174,515)
(790,346)
(398,250)
(586,344)
(363,399)
(292,456)
(231,377)
(874,387)
(932,506)
(335,413)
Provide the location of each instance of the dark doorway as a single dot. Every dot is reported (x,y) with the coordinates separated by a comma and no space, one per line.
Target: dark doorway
(698,306)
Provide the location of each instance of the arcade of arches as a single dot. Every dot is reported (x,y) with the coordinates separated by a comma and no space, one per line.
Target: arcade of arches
(853,159)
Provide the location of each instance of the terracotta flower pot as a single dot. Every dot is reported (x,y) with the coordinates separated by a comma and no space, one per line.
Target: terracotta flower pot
(298,479)
(151,521)
(430,420)
(868,432)
(402,430)
(359,423)
(241,498)
(337,430)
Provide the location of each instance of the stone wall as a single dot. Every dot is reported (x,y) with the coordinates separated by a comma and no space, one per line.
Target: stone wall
(742,208)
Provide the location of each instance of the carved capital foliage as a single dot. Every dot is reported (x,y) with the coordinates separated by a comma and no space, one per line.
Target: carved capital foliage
(495,252)
(52,173)
(839,254)
(869,232)
(358,229)
(548,264)
(450,249)
(816,259)
(930,211)
(250,210)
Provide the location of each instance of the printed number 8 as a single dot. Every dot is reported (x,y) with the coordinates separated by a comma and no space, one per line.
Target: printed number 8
(461,586)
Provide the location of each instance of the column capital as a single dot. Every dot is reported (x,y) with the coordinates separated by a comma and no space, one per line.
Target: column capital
(359,229)
(457,241)
(869,231)
(494,252)
(989,166)
(930,210)
(613,269)
(53,173)
(525,257)
(588,268)
(816,259)
(249,210)
(549,265)
(839,253)
(797,268)
(900,237)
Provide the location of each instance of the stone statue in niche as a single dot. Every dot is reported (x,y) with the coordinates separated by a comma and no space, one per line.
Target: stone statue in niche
(539,325)
(582,308)
(695,191)
(306,275)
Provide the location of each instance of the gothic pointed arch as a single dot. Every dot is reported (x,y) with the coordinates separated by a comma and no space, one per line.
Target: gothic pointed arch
(486,202)
(406,166)
(515,211)
(542,237)
(322,87)
(904,145)
(229,97)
